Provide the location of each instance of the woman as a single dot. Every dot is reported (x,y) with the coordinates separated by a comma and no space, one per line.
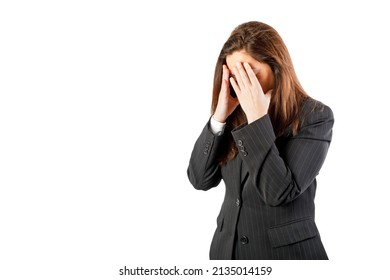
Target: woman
(267,140)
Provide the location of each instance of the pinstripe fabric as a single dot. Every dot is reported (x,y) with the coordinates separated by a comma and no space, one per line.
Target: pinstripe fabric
(268,210)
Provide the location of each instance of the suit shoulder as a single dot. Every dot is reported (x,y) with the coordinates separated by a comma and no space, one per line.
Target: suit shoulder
(315,111)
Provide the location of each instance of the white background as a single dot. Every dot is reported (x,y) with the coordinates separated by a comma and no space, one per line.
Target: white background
(102,101)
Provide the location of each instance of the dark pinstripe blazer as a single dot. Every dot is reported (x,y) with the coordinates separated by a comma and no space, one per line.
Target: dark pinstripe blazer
(268,209)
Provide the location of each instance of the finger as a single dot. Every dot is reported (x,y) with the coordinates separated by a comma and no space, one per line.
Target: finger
(225,79)
(225,89)
(251,75)
(237,78)
(225,73)
(244,82)
(235,86)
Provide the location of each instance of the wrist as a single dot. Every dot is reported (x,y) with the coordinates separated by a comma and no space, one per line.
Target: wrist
(219,118)
(255,117)
(216,127)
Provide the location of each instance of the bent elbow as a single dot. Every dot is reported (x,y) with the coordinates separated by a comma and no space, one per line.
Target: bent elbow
(200,183)
(273,202)
(195,181)
(200,187)
(282,197)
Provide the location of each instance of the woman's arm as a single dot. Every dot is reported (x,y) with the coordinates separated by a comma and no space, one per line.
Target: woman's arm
(282,178)
(204,171)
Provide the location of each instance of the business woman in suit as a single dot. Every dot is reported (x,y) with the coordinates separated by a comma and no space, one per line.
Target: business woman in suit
(267,140)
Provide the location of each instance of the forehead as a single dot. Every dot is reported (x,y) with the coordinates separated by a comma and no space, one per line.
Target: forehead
(241,56)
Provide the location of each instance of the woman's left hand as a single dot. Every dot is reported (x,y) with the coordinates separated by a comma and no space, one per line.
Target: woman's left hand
(249,92)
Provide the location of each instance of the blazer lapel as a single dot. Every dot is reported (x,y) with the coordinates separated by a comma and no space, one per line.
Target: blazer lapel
(239,171)
(244,173)
(236,172)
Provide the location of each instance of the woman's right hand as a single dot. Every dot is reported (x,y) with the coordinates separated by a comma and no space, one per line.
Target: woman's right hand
(226,103)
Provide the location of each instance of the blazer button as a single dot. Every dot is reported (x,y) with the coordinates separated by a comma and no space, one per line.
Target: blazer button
(238,202)
(244,153)
(244,240)
(240,143)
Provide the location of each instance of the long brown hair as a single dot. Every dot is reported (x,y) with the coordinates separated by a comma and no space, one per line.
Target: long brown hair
(264,44)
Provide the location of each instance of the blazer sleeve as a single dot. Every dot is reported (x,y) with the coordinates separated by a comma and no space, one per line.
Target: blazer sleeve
(282,178)
(204,171)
